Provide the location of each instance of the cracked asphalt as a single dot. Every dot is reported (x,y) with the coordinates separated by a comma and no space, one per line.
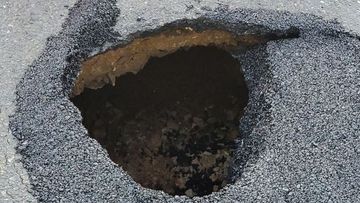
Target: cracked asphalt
(310,136)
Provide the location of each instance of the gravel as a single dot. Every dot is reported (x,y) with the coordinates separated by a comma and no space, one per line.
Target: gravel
(302,123)
(24,28)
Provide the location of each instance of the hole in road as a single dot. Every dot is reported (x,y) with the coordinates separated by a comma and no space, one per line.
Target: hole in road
(171,126)
(167,108)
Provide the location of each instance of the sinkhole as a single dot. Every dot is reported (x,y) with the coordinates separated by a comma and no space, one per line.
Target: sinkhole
(167,109)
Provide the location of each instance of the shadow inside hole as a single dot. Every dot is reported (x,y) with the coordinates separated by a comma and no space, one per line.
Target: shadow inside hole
(172,126)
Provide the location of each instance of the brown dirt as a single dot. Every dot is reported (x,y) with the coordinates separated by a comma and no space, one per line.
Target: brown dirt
(103,68)
(171,126)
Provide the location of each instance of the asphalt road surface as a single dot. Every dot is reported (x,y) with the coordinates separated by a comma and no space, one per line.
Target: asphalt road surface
(309,134)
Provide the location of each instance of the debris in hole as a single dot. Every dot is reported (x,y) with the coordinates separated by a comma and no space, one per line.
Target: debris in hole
(172,126)
(175,154)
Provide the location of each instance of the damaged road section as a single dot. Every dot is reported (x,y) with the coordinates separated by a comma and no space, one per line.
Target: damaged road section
(291,148)
(173,125)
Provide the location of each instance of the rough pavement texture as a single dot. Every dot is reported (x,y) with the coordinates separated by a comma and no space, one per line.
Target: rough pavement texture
(152,13)
(312,139)
(24,28)
(307,135)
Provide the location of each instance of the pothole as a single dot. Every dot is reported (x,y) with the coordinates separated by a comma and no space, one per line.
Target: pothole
(172,126)
(167,107)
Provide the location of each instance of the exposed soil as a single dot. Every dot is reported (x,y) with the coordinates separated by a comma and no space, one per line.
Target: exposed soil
(172,126)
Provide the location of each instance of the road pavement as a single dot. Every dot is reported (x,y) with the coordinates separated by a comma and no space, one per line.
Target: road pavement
(309,134)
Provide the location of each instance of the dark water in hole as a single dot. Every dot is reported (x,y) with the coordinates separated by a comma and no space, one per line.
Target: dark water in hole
(171,126)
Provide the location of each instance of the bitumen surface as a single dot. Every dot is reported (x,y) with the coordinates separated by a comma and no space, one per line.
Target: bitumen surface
(301,125)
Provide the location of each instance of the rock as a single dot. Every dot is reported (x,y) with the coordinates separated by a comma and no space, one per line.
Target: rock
(195,161)
(189,193)
(180,182)
(207,160)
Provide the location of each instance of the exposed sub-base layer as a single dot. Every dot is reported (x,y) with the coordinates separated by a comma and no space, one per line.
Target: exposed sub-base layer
(104,68)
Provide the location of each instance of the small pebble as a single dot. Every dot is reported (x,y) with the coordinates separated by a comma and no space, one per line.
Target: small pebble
(189,193)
